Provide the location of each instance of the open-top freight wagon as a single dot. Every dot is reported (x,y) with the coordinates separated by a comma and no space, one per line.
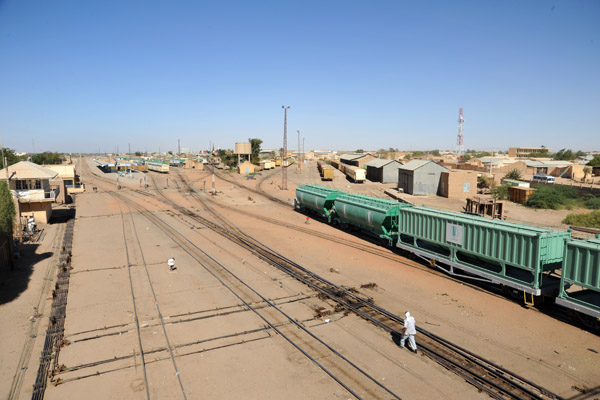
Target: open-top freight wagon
(580,280)
(524,260)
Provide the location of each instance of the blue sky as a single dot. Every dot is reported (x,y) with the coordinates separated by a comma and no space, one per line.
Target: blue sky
(90,76)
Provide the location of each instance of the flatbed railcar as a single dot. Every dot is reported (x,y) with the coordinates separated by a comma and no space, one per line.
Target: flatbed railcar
(534,263)
(580,280)
(157,166)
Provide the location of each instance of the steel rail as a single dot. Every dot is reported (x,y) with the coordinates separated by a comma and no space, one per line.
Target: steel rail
(27,350)
(272,325)
(135,313)
(267,260)
(162,323)
(476,359)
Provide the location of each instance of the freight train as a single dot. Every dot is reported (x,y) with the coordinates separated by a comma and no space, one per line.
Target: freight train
(326,170)
(527,262)
(356,174)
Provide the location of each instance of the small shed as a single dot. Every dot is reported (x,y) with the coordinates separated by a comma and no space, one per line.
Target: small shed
(384,171)
(519,194)
(420,177)
(458,184)
(246,168)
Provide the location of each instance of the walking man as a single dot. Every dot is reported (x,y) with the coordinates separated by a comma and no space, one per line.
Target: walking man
(171,263)
(409,331)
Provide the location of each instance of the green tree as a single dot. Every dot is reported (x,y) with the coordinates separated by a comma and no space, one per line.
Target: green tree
(7,211)
(47,157)
(360,151)
(11,157)
(228,158)
(255,150)
(513,174)
(466,157)
(138,154)
(407,156)
(564,154)
(500,192)
(435,153)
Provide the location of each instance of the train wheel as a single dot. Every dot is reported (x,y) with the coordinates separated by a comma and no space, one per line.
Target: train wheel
(589,321)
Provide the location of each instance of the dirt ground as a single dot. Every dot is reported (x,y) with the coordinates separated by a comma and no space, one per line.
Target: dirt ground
(227,353)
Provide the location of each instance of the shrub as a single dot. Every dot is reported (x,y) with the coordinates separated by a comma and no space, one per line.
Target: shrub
(553,197)
(589,220)
(500,192)
(592,202)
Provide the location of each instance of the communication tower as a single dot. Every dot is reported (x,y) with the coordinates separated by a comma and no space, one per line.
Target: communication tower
(459,139)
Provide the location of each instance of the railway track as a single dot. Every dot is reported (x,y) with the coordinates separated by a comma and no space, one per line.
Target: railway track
(485,375)
(225,277)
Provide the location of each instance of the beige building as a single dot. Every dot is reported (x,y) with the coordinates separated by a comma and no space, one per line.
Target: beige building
(526,152)
(246,168)
(68,175)
(30,187)
(193,164)
(458,184)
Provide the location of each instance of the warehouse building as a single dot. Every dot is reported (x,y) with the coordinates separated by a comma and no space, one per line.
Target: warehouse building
(384,171)
(356,159)
(420,177)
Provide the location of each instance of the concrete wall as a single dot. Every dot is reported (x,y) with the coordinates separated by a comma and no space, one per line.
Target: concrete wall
(40,211)
(458,184)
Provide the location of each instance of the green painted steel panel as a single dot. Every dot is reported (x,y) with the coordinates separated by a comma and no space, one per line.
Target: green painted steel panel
(317,198)
(376,215)
(581,265)
(519,245)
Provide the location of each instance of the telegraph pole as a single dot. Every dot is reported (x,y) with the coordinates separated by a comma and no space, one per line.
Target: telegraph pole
(284,155)
(299,159)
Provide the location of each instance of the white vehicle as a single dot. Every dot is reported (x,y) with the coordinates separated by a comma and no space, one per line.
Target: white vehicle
(543,179)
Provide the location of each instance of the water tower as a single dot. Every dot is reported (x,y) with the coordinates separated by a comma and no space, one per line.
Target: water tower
(243,151)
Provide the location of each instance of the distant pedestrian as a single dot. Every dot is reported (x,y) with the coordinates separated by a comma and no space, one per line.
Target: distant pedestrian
(409,331)
(171,263)
(307,219)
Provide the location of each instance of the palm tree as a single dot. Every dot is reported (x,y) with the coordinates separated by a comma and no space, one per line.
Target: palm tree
(514,174)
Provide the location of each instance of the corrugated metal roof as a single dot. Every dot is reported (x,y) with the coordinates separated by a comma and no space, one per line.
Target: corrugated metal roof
(416,164)
(380,162)
(352,156)
(542,164)
(27,170)
(487,160)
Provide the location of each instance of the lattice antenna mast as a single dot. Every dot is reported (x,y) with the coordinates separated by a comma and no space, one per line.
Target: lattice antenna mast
(459,140)
(284,155)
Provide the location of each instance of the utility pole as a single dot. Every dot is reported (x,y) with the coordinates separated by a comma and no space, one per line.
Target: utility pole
(303,153)
(284,156)
(299,159)
(129,144)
